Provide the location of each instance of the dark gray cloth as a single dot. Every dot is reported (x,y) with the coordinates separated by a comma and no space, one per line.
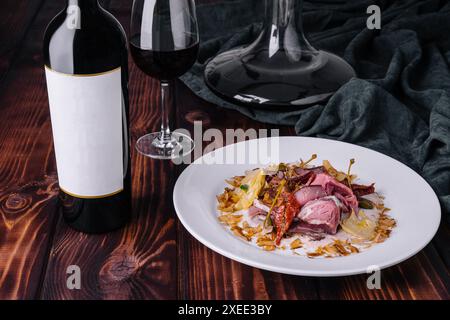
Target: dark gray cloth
(400,102)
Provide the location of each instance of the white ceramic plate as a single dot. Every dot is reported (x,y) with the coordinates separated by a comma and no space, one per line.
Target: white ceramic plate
(414,206)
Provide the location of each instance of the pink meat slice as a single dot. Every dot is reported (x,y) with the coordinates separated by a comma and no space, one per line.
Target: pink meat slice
(254,211)
(310,193)
(305,228)
(340,190)
(321,215)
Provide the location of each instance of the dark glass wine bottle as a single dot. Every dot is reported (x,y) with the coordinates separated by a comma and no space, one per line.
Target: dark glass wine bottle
(86,66)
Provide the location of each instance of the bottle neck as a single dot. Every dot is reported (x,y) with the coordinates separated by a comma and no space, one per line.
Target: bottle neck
(284,24)
(282,13)
(79,11)
(84,4)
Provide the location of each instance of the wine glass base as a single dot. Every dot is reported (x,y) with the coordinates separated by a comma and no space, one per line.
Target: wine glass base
(152,146)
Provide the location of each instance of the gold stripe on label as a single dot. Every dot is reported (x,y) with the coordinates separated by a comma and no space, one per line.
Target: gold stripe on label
(83,75)
(91,197)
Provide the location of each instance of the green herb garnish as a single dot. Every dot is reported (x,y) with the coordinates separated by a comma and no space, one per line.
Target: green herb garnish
(244,187)
(365,203)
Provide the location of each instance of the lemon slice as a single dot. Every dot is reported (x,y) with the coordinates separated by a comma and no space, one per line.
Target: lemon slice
(361,227)
(251,185)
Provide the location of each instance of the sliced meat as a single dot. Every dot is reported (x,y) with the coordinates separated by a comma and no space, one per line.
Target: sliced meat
(273,180)
(316,170)
(348,206)
(254,211)
(360,190)
(334,188)
(322,215)
(301,177)
(309,229)
(323,179)
(306,194)
(305,175)
(280,175)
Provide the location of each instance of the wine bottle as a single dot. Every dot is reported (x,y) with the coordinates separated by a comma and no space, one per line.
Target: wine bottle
(86,67)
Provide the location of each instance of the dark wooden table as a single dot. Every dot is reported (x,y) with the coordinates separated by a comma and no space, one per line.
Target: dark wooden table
(154,257)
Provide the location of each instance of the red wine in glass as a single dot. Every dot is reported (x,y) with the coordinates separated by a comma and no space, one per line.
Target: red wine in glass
(164,65)
(164,44)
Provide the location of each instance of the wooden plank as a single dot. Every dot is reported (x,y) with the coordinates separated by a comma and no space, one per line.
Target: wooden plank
(16,17)
(27,172)
(138,262)
(420,277)
(27,215)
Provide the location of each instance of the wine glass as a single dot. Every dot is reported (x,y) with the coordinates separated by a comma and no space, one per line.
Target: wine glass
(164,43)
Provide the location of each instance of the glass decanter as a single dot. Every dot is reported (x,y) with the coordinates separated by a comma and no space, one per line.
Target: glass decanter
(280,69)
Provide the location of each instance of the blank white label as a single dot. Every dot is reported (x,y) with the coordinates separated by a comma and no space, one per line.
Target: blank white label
(86,114)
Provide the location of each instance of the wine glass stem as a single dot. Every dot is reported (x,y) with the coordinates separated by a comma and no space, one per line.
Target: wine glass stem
(166,106)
